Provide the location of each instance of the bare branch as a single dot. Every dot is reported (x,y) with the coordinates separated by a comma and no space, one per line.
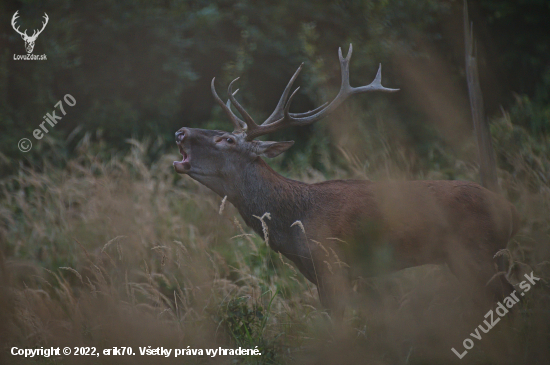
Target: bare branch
(487,164)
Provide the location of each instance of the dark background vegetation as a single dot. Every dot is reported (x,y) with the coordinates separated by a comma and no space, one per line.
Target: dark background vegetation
(102,244)
(142,68)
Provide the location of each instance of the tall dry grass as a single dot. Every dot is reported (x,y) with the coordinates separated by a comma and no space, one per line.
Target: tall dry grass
(120,252)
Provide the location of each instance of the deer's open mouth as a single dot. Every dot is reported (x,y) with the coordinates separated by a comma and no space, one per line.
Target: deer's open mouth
(184,165)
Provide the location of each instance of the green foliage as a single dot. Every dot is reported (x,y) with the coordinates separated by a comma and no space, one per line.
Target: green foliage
(522,43)
(112,251)
(157,260)
(518,151)
(143,68)
(246,324)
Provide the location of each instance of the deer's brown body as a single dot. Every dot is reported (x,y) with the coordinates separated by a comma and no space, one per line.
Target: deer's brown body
(351,228)
(369,228)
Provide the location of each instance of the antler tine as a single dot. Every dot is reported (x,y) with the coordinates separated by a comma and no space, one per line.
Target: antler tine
(247,118)
(46,18)
(345,91)
(237,123)
(300,119)
(249,125)
(311,112)
(344,69)
(278,113)
(287,107)
(277,118)
(228,104)
(13,19)
(275,126)
(281,118)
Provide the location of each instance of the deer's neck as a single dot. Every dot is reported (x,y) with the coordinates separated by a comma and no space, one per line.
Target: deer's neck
(261,190)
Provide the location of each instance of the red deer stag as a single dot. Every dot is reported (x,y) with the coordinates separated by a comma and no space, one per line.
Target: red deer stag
(349,228)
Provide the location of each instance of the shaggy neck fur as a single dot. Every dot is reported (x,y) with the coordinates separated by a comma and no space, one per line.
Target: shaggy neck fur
(259,189)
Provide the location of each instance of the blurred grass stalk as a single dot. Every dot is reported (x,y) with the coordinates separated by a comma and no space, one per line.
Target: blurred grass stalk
(122,252)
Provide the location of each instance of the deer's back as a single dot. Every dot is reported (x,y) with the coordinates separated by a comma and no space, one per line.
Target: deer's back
(412,223)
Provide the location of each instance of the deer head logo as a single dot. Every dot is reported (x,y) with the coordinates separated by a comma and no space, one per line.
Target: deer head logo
(29,40)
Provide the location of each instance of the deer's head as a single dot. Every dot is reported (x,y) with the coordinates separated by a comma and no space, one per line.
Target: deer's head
(29,40)
(216,158)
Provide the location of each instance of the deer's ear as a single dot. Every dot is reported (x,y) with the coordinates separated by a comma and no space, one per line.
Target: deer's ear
(272,149)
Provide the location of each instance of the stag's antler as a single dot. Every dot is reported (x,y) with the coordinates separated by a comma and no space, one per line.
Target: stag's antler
(281,118)
(239,125)
(248,124)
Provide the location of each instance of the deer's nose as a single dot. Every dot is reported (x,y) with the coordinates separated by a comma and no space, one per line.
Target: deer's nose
(180,135)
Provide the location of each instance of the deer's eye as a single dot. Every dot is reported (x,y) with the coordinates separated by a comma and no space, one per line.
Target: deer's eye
(230,140)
